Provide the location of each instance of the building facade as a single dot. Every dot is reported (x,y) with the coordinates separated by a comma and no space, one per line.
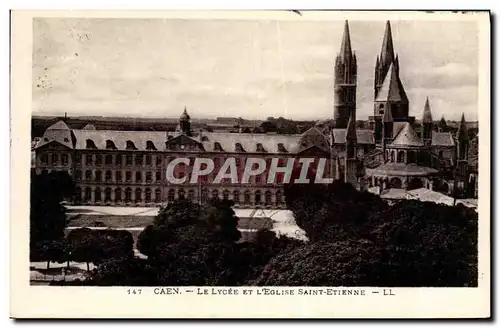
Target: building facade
(128,168)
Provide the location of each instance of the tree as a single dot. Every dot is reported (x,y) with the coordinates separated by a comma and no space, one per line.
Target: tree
(85,246)
(50,251)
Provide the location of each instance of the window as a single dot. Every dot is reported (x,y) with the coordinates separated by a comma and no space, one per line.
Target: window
(148,159)
(191,194)
(215,194)
(149,176)
(138,176)
(98,159)
(88,175)
(247,197)
(44,159)
(158,160)
(217,146)
(130,145)
(236,196)
(108,176)
(88,159)
(150,145)
(118,195)
(204,138)
(87,194)
(148,195)
(158,176)
(239,147)
(90,144)
(157,195)
(107,194)
(78,175)
(97,194)
(108,160)
(128,176)
(118,176)
(98,175)
(204,195)
(260,148)
(78,158)
(181,194)
(268,197)
(225,194)
(64,159)
(78,194)
(257,197)
(128,195)
(138,195)
(281,148)
(257,179)
(118,160)
(171,195)
(138,160)
(279,198)
(110,144)
(128,160)
(55,159)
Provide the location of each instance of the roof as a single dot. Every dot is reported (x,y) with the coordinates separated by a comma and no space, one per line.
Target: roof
(387,51)
(120,138)
(402,169)
(390,90)
(407,137)
(442,139)
(363,136)
(58,132)
(345,47)
(249,141)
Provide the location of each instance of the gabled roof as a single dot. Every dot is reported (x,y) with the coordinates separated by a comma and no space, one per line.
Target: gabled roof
(442,139)
(407,137)
(392,89)
(363,136)
(59,125)
(313,137)
(58,132)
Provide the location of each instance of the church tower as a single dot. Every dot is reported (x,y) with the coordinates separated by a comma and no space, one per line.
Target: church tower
(462,158)
(345,82)
(185,123)
(351,160)
(427,122)
(389,93)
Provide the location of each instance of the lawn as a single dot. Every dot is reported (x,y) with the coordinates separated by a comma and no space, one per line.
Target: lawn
(111,221)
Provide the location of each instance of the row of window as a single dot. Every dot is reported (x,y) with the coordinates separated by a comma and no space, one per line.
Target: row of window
(118,176)
(148,195)
(56,159)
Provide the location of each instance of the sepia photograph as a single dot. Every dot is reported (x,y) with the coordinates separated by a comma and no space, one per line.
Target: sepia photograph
(314,154)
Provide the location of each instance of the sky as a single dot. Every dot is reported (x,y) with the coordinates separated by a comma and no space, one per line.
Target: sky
(242,68)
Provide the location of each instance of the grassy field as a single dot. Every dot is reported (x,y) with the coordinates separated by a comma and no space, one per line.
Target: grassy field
(111,221)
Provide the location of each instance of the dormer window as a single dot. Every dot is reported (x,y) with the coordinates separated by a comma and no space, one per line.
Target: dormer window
(217,146)
(90,144)
(110,144)
(66,140)
(130,145)
(281,148)
(204,138)
(239,147)
(150,145)
(46,139)
(260,148)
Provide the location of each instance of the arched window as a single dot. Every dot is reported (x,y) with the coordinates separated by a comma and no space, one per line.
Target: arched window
(268,198)
(88,194)
(148,195)
(171,195)
(257,197)
(215,194)
(130,145)
(110,144)
(236,196)
(204,138)
(138,195)
(118,195)
(107,194)
(128,195)
(158,195)
(225,194)
(97,194)
(395,183)
(150,145)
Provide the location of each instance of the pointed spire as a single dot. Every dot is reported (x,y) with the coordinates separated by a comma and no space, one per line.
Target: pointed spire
(462,134)
(387,52)
(351,130)
(427,116)
(345,47)
(390,90)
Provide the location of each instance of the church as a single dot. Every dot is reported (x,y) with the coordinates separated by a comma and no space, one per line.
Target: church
(128,168)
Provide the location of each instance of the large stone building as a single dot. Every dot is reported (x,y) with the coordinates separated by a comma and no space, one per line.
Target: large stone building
(129,167)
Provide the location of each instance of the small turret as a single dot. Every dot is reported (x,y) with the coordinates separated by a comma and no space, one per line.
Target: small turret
(427,122)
